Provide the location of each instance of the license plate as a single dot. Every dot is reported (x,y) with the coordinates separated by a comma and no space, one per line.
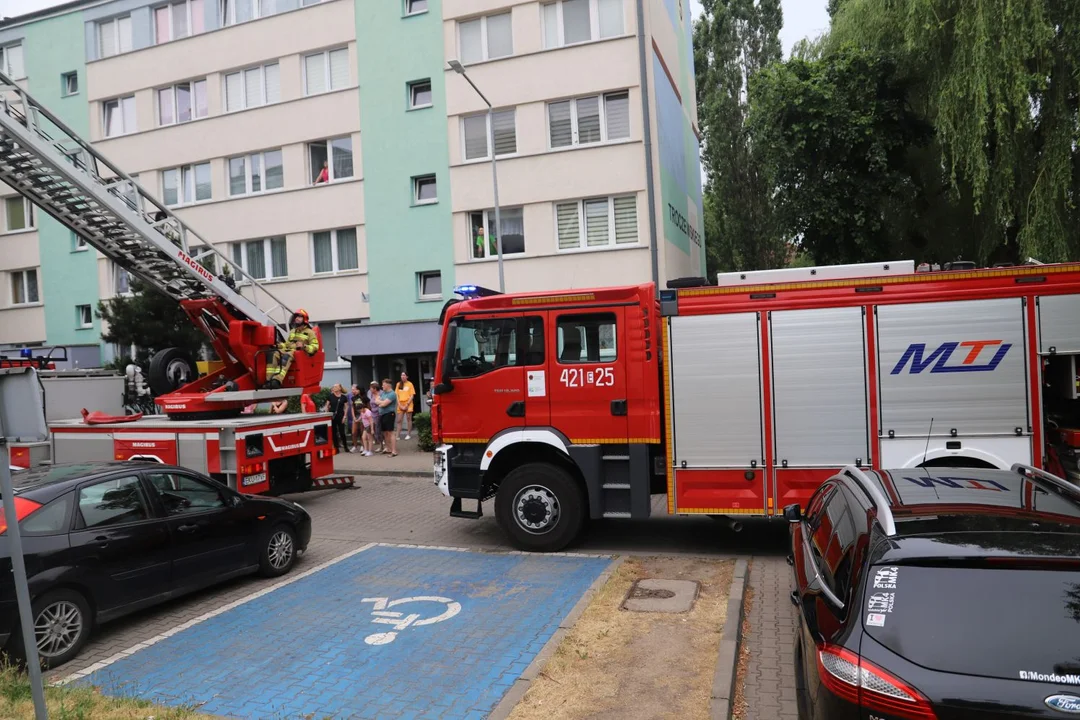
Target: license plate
(256,479)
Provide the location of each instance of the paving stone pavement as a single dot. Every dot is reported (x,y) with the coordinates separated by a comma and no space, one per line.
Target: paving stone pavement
(768,684)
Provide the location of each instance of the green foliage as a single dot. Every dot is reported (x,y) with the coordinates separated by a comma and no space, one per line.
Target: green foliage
(422,423)
(320,398)
(150,321)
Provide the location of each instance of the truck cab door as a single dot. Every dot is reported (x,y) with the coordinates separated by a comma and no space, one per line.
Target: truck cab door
(588,387)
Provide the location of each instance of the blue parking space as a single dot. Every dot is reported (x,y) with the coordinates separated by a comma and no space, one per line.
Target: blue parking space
(387,633)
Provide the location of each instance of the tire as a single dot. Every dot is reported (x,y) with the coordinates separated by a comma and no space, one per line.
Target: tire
(278,553)
(541,507)
(170,369)
(53,610)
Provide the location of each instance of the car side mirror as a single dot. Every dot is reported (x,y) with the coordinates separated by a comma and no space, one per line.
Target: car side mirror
(442,388)
(793,513)
(236,500)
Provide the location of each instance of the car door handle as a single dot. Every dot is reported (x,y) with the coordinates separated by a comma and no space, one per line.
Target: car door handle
(102,541)
(795,598)
(791,560)
(618,408)
(516,409)
(188,528)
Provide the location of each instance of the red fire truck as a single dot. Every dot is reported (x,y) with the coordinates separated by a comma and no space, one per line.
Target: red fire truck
(203,426)
(738,399)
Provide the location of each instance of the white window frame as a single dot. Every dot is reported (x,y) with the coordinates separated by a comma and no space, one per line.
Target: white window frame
(25,273)
(489,222)
(331,176)
(81,322)
(328,76)
(80,243)
(416,180)
(118,45)
(268,257)
(245,101)
(120,101)
(228,12)
(28,213)
(336,269)
(192,100)
(560,30)
(412,87)
(409,7)
(172,30)
(582,245)
(420,277)
(247,173)
(65,85)
(181,188)
(486,157)
(117,273)
(5,61)
(602,101)
(484,55)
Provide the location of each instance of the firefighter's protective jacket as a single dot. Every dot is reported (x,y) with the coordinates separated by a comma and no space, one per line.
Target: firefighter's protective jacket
(304,335)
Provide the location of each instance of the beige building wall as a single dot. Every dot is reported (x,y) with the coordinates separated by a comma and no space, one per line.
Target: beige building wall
(20,322)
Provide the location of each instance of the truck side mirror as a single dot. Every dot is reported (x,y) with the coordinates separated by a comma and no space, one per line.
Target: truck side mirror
(442,388)
(793,513)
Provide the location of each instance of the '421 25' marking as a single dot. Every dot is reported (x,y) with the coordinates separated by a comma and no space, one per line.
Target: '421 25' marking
(577,377)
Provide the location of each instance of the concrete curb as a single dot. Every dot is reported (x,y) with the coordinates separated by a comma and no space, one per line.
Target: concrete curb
(395,473)
(521,686)
(727,663)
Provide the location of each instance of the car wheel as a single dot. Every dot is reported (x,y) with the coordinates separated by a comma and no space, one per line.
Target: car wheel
(801,705)
(541,507)
(62,625)
(278,552)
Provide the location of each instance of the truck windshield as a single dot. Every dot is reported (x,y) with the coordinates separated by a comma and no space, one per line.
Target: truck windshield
(480,346)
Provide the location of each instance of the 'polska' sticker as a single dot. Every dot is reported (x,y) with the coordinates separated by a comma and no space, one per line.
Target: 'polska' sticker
(885,578)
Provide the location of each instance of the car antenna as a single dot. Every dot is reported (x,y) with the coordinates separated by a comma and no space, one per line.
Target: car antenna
(927,448)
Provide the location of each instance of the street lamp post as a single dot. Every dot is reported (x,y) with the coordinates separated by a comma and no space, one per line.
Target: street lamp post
(457,67)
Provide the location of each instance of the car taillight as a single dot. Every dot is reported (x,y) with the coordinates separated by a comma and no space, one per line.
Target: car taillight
(23,508)
(852,678)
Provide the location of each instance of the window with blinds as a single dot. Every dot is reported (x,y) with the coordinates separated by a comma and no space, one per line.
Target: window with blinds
(568,22)
(589,120)
(326,71)
(485,38)
(475,134)
(252,87)
(596,223)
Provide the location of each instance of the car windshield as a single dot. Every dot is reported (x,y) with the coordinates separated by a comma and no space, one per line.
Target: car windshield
(978,621)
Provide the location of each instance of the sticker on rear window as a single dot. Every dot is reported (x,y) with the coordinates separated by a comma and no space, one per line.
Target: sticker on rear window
(881,602)
(1050,677)
(885,578)
(875,619)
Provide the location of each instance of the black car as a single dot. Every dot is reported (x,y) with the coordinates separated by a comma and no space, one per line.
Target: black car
(105,539)
(938,593)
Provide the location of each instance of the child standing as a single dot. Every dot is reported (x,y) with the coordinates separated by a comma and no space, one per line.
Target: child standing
(367,420)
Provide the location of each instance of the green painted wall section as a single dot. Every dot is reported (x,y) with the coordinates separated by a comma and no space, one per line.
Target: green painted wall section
(399,144)
(52,47)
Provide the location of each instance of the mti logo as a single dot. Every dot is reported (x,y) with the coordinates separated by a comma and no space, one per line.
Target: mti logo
(916,354)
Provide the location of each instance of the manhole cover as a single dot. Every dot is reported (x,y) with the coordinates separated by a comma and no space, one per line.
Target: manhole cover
(656,595)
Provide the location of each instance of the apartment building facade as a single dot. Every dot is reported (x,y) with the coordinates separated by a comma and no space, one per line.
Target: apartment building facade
(328,149)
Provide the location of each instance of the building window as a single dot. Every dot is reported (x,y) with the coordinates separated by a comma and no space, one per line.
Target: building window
(337,165)
(182,102)
(326,71)
(84,318)
(69,83)
(576,21)
(485,38)
(597,222)
(121,280)
(419,94)
(11,61)
(178,20)
(118,116)
(308,3)
(239,11)
(334,251)
(252,87)
(18,214)
(475,134)
(262,259)
(78,243)
(415,7)
(429,285)
(484,243)
(114,36)
(256,173)
(424,190)
(589,120)
(24,287)
(186,185)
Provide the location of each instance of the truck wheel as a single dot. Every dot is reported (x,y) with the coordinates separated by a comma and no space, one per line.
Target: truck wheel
(541,507)
(170,369)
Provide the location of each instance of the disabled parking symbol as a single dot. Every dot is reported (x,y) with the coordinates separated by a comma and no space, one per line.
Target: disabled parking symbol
(382,613)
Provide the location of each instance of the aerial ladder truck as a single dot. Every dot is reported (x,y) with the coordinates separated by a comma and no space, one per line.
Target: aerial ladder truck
(202,427)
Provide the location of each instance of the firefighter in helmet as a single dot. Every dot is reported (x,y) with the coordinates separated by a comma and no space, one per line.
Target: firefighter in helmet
(301,337)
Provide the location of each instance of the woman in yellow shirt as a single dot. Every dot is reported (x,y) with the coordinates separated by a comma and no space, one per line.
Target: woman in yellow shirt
(405,393)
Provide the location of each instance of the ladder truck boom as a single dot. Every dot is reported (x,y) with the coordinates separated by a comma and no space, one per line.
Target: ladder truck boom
(45,161)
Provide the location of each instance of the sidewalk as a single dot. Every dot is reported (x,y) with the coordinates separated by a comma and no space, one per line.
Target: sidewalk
(410,462)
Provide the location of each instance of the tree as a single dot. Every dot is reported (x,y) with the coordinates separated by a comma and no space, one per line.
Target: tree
(733,40)
(150,321)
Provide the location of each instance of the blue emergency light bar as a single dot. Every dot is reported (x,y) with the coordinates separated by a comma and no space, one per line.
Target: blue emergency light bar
(474,291)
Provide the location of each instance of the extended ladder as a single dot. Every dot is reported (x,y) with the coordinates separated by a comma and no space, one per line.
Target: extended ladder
(45,161)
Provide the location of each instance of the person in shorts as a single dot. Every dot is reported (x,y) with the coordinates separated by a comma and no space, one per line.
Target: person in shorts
(373,402)
(387,414)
